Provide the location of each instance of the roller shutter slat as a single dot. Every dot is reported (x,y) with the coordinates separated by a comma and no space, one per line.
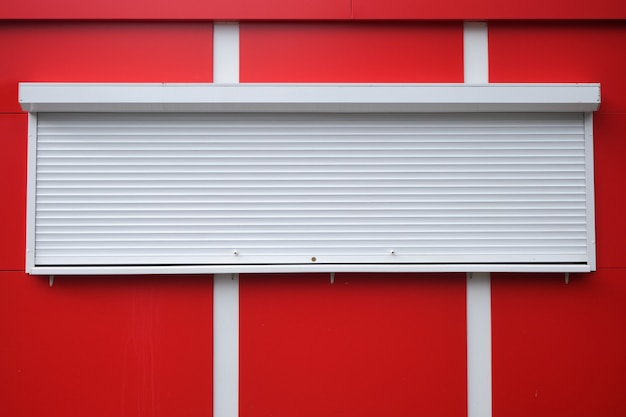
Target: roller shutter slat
(154,189)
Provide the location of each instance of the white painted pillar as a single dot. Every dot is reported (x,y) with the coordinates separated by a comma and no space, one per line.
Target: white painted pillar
(226,286)
(479,385)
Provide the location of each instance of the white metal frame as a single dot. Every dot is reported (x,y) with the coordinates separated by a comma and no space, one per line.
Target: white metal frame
(31,192)
(589,181)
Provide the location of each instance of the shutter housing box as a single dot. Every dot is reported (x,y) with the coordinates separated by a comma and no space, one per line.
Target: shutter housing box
(204,178)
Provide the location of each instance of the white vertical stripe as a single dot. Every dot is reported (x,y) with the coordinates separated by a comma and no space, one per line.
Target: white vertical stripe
(478,293)
(226,286)
(475,53)
(478,344)
(226,53)
(226,345)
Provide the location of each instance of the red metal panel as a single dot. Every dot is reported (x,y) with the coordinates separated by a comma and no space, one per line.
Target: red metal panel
(102,346)
(578,52)
(183,9)
(102,52)
(488,9)
(319,9)
(367,345)
(558,349)
(562,52)
(357,52)
(106,345)
(13,128)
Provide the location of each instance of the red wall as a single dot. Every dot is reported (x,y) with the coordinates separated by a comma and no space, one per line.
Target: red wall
(105,346)
(318,9)
(367,345)
(560,349)
(351,52)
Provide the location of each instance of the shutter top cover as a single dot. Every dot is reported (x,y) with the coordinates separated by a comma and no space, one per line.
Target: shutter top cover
(149,97)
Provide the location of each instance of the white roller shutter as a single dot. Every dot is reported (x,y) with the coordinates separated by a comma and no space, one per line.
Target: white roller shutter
(340,190)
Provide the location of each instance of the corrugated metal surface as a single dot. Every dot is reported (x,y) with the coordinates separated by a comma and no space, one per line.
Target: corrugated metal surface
(161,189)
